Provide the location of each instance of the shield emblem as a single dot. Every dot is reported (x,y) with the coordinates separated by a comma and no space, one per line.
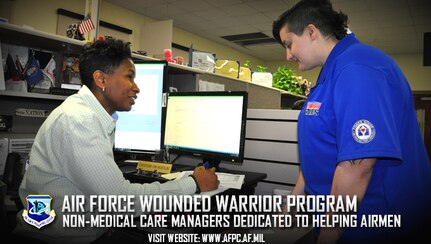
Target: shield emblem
(38,211)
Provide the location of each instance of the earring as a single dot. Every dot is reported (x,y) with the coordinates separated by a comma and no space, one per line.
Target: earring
(103,89)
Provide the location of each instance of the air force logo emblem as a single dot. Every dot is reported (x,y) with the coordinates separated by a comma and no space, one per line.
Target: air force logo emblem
(38,211)
(363,131)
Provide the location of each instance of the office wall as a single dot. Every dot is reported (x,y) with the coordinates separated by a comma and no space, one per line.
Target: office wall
(419,77)
(42,15)
(5,9)
(412,65)
(185,38)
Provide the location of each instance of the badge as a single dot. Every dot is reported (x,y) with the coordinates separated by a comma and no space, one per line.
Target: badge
(363,131)
(312,108)
(38,211)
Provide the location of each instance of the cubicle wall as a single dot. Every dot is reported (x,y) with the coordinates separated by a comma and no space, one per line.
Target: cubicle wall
(271,147)
(259,97)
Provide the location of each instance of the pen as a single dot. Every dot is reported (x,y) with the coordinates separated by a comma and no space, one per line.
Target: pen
(206,164)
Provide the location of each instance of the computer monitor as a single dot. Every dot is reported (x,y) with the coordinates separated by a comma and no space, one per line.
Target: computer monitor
(139,132)
(209,125)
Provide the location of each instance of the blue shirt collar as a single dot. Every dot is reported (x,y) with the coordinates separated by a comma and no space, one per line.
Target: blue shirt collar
(339,48)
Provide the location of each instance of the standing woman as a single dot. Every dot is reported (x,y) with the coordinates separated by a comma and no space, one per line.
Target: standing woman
(357,133)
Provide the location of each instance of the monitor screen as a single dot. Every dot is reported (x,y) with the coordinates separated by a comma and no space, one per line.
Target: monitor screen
(210,125)
(140,130)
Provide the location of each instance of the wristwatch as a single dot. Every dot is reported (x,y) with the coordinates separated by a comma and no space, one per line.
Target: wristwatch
(198,190)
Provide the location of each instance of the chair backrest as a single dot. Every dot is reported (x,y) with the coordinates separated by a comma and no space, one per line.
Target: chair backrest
(12,174)
(12,177)
(3,214)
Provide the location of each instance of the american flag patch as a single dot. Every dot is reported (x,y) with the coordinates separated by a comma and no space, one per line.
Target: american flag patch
(312,108)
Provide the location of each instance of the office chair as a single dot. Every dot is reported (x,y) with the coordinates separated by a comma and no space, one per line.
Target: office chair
(4,226)
(12,177)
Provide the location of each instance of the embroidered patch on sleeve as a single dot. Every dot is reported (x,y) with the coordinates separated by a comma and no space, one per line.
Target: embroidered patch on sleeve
(363,131)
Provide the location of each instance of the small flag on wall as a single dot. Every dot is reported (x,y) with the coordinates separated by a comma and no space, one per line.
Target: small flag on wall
(86,25)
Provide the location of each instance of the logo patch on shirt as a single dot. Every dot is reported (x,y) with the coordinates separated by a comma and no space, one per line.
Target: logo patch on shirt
(363,131)
(312,108)
(38,212)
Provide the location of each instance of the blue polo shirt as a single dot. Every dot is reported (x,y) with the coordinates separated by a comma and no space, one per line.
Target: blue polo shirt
(362,107)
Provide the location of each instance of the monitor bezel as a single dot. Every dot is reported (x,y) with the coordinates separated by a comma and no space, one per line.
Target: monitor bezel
(138,153)
(208,155)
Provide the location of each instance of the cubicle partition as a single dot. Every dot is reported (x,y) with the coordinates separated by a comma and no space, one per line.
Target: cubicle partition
(271,147)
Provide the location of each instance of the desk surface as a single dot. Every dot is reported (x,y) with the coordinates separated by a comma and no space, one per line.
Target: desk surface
(271,235)
(250,181)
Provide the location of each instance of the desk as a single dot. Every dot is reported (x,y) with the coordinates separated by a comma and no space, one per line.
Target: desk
(250,181)
(271,235)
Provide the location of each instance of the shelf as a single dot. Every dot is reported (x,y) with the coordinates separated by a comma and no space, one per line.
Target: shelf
(286,93)
(32,95)
(183,69)
(173,67)
(142,57)
(28,37)
(260,96)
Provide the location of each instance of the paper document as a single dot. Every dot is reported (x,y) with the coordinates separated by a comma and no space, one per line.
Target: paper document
(226,181)
(230,180)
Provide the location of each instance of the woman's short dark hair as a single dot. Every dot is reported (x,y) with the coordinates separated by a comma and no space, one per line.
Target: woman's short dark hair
(317,12)
(105,55)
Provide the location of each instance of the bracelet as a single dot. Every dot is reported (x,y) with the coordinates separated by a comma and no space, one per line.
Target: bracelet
(198,190)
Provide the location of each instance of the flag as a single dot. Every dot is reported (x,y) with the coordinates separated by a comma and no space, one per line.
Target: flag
(49,71)
(86,25)
(19,67)
(10,70)
(33,72)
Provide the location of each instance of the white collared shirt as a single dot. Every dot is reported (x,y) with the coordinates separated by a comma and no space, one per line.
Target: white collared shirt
(72,155)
